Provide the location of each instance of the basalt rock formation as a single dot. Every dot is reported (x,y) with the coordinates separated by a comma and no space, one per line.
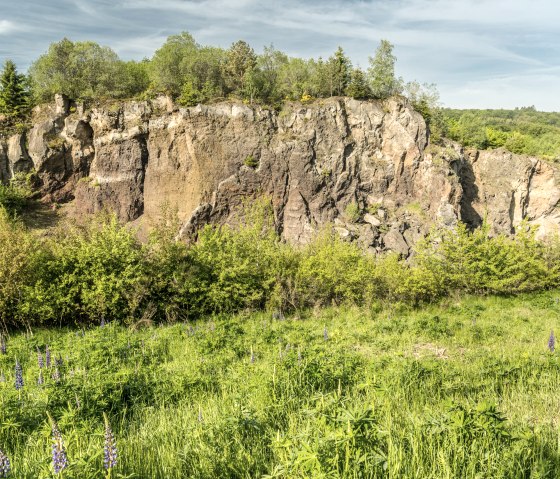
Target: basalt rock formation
(364,166)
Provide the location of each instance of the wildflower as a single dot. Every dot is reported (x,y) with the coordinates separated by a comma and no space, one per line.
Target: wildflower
(40,380)
(56,374)
(5,466)
(19,376)
(59,459)
(48,356)
(110,447)
(40,360)
(551,342)
(59,361)
(325,334)
(252,355)
(102,324)
(2,344)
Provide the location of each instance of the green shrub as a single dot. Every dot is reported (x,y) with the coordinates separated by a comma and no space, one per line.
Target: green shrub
(235,268)
(15,196)
(91,274)
(352,212)
(331,270)
(21,265)
(251,162)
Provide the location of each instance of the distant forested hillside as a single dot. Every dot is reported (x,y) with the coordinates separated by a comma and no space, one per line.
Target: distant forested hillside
(523,130)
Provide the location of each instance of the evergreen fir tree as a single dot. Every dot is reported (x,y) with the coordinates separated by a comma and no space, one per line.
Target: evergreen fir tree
(340,70)
(14,96)
(358,87)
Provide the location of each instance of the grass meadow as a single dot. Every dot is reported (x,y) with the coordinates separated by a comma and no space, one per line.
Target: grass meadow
(465,389)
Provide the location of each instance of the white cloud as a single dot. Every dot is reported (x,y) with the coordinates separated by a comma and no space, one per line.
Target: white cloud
(476,50)
(6,27)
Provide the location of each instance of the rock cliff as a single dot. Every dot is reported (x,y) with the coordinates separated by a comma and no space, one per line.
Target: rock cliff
(364,166)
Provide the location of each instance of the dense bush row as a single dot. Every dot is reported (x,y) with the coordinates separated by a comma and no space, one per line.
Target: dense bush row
(87,273)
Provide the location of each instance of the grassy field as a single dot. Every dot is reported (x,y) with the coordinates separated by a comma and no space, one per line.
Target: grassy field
(466,389)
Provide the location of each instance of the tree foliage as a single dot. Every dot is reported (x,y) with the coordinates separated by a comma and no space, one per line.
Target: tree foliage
(381,72)
(14,94)
(85,70)
(523,130)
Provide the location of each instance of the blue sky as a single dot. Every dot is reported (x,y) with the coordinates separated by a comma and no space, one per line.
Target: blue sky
(480,53)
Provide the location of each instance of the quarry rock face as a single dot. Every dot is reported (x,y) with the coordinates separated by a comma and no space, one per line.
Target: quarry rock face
(364,166)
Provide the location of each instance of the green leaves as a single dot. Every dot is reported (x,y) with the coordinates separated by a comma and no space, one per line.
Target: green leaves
(83,70)
(381,72)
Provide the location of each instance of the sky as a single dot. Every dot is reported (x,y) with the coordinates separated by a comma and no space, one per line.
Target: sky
(479,53)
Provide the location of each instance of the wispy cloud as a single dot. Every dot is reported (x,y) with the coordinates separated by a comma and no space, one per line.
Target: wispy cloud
(7,27)
(471,48)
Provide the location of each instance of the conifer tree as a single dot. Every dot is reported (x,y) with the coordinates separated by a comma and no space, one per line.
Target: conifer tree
(14,96)
(358,87)
(339,69)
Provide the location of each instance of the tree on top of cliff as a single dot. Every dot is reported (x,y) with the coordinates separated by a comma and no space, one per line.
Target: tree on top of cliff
(85,70)
(240,61)
(339,71)
(14,95)
(358,87)
(381,72)
(168,65)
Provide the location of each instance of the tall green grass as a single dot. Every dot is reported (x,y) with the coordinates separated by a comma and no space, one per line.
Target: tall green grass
(467,388)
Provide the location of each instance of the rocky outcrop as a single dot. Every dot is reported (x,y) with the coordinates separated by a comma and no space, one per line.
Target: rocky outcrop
(505,189)
(364,166)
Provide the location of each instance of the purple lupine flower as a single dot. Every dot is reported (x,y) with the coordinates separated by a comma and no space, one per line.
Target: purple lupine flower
(59,361)
(19,376)
(59,459)
(102,324)
(2,344)
(56,374)
(110,447)
(551,342)
(48,356)
(5,466)
(40,360)
(325,334)
(40,380)
(200,418)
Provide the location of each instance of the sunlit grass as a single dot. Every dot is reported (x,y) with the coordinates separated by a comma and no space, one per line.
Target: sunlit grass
(467,388)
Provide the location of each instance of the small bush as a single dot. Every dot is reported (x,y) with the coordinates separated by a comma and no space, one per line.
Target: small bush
(251,162)
(352,212)
(15,196)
